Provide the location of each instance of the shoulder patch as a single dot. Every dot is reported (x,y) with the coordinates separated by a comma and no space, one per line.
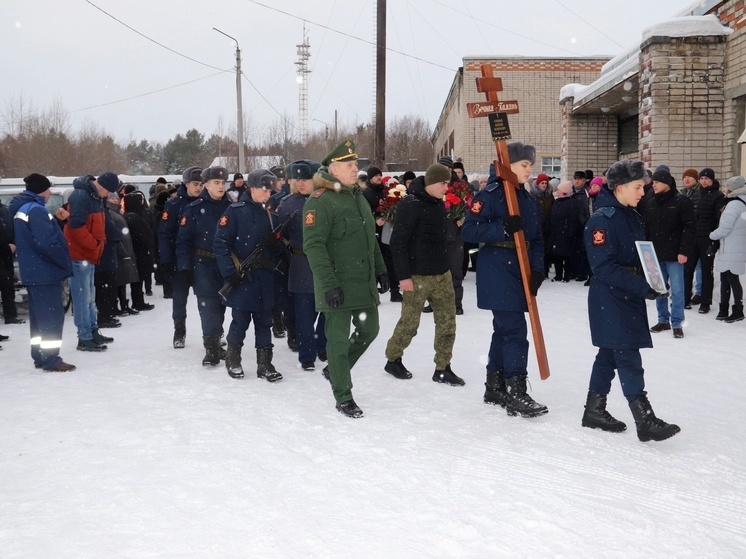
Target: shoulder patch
(309,218)
(599,237)
(183,221)
(223,220)
(164,217)
(476,207)
(318,193)
(607,211)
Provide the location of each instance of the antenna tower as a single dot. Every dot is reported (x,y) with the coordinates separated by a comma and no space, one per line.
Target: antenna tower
(303,72)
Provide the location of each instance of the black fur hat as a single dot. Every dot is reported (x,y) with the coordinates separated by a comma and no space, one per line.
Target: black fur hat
(623,172)
(261,178)
(518,151)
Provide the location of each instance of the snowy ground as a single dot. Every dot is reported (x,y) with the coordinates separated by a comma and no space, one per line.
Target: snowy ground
(144,453)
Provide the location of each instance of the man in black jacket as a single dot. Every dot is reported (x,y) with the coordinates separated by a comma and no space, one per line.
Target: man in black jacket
(705,221)
(419,252)
(669,223)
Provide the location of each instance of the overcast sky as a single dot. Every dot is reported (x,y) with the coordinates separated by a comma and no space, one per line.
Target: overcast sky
(102,71)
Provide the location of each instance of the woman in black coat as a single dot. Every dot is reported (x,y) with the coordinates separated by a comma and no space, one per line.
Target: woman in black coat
(143,244)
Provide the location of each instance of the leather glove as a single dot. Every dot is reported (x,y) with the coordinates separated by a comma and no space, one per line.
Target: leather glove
(234,279)
(537,278)
(712,249)
(187,276)
(513,224)
(334,297)
(168,269)
(383,283)
(652,294)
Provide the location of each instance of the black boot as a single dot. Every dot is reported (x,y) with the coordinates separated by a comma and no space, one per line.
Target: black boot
(292,339)
(179,333)
(736,315)
(212,351)
(233,361)
(722,312)
(596,416)
(278,325)
(350,409)
(494,393)
(447,376)
(265,369)
(99,338)
(397,369)
(518,401)
(649,427)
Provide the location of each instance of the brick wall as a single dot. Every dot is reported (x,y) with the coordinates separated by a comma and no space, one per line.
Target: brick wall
(682,103)
(591,142)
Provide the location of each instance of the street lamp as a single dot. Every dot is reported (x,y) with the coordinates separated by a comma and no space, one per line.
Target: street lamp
(239,109)
(326,126)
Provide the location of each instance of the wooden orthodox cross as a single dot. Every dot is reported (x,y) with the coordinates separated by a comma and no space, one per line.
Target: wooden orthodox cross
(498,111)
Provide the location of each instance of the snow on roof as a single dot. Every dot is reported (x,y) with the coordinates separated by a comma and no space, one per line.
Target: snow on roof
(571,90)
(688,26)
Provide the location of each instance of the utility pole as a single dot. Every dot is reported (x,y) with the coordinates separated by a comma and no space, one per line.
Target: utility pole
(380,139)
(239,104)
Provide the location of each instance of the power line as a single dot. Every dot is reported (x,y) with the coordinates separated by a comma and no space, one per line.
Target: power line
(360,39)
(150,92)
(589,24)
(154,41)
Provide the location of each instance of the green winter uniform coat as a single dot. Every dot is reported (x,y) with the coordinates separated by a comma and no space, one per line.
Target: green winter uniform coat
(340,243)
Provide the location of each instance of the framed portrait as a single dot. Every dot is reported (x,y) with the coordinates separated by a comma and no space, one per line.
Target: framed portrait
(650,265)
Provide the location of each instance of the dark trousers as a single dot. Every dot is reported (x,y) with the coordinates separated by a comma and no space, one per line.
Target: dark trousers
(455,253)
(509,346)
(7,288)
(180,291)
(309,327)
(106,295)
(343,350)
(240,322)
(211,315)
(579,260)
(730,282)
(562,268)
(46,318)
(283,299)
(388,260)
(138,297)
(708,279)
(628,363)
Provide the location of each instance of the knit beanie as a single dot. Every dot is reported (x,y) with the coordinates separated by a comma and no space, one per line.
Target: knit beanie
(37,183)
(691,173)
(564,189)
(734,183)
(447,161)
(707,172)
(437,173)
(109,180)
(542,177)
(373,171)
(661,175)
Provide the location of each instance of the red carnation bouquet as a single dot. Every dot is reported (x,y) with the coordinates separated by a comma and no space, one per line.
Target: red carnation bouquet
(458,199)
(392,195)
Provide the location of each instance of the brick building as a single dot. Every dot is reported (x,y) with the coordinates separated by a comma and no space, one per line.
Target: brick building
(535,83)
(678,99)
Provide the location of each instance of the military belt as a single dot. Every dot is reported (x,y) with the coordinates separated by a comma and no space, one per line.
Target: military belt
(204,253)
(298,251)
(504,244)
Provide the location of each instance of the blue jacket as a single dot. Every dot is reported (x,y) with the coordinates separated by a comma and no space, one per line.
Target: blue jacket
(43,256)
(616,298)
(300,277)
(168,228)
(239,231)
(194,243)
(499,285)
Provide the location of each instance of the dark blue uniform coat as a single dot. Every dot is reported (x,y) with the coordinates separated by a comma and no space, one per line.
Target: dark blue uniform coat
(239,231)
(499,286)
(300,277)
(168,228)
(616,298)
(194,244)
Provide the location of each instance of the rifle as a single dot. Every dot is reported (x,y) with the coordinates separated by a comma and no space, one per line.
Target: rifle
(257,258)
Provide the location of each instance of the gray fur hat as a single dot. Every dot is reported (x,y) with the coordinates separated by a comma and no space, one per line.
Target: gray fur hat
(191,174)
(211,173)
(623,172)
(518,151)
(261,178)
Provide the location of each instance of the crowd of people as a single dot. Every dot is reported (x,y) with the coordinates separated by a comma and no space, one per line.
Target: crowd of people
(304,252)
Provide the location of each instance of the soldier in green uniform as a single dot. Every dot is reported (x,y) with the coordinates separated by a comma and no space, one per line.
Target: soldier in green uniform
(348,271)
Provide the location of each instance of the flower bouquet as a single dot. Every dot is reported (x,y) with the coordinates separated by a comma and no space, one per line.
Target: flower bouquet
(458,199)
(392,195)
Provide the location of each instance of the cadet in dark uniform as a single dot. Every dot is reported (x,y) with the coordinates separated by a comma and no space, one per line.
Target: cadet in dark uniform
(283,312)
(616,304)
(239,231)
(168,230)
(309,323)
(499,284)
(195,259)
(339,240)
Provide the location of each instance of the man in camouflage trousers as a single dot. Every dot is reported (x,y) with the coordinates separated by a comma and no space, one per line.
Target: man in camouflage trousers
(419,251)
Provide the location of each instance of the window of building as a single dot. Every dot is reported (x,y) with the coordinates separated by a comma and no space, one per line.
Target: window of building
(551,165)
(628,135)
